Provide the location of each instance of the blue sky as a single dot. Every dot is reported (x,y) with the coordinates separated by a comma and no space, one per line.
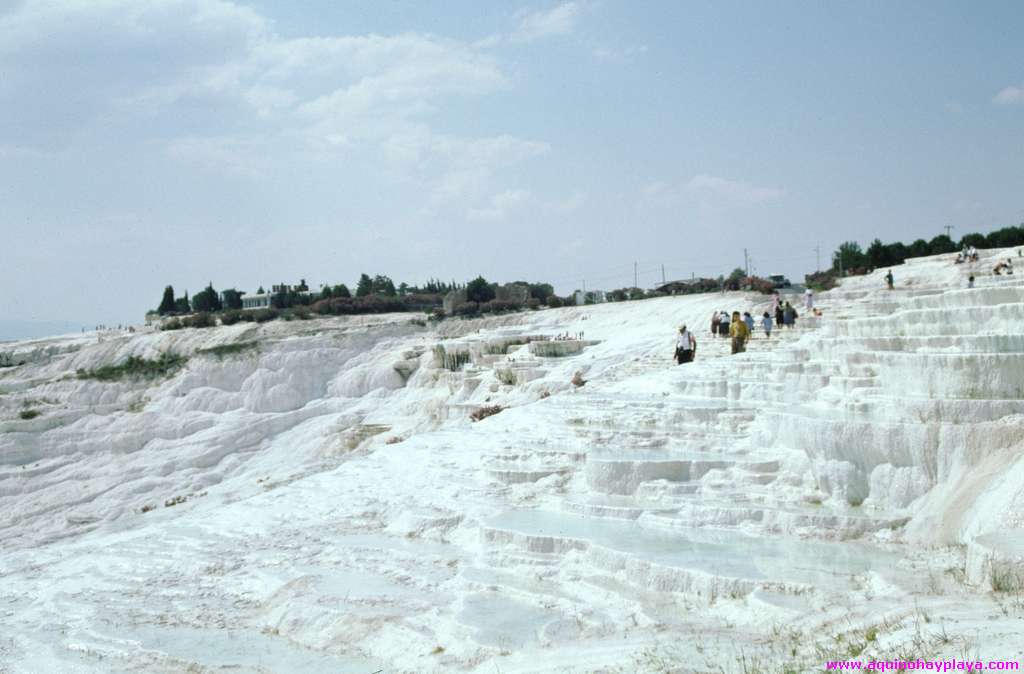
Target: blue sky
(147,142)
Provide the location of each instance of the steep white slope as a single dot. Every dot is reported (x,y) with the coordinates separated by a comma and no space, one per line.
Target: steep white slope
(319,500)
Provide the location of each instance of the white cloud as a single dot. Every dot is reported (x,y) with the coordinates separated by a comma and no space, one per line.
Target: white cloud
(239,156)
(500,206)
(1010,95)
(730,191)
(620,55)
(559,20)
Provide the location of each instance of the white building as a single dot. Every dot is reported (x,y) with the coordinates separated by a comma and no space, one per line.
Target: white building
(589,297)
(260,301)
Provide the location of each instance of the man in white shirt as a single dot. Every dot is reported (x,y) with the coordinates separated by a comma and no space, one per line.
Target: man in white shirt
(686,346)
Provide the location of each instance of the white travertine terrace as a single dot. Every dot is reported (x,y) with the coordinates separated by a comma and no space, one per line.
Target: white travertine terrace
(321,502)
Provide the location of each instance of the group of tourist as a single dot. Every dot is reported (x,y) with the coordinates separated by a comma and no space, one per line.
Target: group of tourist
(740,327)
(968,254)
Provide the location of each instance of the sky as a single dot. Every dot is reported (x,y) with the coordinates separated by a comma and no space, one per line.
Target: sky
(154,142)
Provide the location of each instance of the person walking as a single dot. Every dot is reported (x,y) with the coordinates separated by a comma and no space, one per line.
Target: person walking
(686,346)
(714,324)
(809,299)
(889,280)
(739,333)
(778,316)
(723,324)
(970,281)
(766,323)
(749,320)
(789,316)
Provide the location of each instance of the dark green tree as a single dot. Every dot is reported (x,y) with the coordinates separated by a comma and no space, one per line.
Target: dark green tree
(232,299)
(918,249)
(941,244)
(382,285)
(182,305)
(167,303)
(973,239)
(1005,237)
(879,254)
(479,290)
(206,300)
(541,291)
(365,286)
(341,290)
(898,252)
(849,256)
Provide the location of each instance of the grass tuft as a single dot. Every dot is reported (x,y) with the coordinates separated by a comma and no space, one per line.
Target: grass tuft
(136,368)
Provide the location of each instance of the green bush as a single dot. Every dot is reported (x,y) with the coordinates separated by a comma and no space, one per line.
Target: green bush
(172,324)
(554,301)
(29,414)
(200,320)
(499,307)
(230,317)
(264,315)
(229,349)
(136,368)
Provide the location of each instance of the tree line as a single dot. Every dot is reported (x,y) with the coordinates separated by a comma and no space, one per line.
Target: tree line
(849,258)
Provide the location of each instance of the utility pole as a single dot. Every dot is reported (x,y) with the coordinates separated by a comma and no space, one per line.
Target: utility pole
(817,258)
(663,274)
(746,262)
(948,229)
(636,278)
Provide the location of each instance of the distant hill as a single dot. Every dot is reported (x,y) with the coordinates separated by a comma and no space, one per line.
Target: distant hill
(13,329)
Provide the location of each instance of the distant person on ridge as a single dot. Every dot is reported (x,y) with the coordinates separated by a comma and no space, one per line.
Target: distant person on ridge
(766,323)
(686,346)
(739,333)
(889,279)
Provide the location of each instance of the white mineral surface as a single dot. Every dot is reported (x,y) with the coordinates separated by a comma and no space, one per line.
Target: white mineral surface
(318,500)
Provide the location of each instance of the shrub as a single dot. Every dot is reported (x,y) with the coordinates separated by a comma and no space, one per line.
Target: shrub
(29,414)
(507,377)
(554,301)
(200,320)
(172,324)
(136,368)
(230,317)
(466,309)
(485,411)
(228,349)
(499,307)
(533,304)
(821,280)
(264,315)
(437,314)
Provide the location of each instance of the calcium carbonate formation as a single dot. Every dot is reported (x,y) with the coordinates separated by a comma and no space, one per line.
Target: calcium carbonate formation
(319,498)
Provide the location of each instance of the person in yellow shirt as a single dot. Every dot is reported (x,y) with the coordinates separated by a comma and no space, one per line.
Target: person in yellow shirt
(739,332)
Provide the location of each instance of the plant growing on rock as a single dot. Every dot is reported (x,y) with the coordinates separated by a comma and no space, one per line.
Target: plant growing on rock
(485,411)
(136,368)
